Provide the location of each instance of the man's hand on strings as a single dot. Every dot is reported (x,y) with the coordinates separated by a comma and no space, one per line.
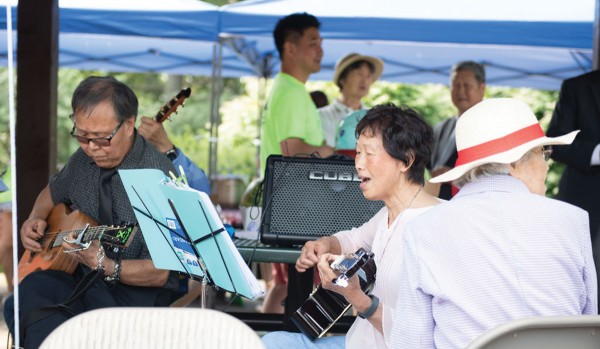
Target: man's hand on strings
(88,256)
(31,231)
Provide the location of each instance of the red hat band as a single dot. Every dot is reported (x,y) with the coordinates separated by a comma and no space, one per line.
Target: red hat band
(499,145)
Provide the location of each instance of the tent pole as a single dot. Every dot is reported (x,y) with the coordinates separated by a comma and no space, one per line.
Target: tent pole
(262,87)
(215,120)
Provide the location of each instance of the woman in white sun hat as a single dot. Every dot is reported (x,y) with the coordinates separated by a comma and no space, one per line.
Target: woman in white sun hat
(499,250)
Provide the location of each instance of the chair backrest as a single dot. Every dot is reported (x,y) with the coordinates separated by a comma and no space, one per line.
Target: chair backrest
(150,328)
(548,332)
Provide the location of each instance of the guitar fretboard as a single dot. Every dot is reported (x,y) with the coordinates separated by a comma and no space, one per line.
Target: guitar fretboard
(89,234)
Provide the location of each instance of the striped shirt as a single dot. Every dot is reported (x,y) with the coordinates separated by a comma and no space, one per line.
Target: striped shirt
(492,254)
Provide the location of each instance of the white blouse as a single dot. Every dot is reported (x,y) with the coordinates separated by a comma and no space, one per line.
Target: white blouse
(386,244)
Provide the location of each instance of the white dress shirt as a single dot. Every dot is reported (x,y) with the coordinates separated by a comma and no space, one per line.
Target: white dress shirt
(494,253)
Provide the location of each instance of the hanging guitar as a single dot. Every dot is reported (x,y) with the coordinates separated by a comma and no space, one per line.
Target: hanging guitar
(61,223)
(324,307)
(171,106)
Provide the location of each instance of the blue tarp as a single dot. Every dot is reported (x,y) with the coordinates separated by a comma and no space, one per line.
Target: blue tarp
(175,36)
(532,43)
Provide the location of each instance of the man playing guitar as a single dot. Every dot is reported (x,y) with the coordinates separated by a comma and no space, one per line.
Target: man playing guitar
(104,114)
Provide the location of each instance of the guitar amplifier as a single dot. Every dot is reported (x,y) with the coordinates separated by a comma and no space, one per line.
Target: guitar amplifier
(307,198)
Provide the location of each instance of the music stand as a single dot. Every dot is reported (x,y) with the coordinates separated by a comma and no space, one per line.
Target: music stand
(184,233)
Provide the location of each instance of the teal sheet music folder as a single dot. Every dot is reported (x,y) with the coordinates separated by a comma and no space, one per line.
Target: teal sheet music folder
(179,223)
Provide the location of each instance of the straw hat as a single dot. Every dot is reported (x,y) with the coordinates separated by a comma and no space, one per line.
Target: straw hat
(497,130)
(348,59)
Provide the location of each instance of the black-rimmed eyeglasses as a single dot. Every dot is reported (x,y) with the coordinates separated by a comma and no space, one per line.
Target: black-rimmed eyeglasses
(100,141)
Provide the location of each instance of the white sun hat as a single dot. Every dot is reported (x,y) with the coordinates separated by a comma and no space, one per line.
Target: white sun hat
(497,130)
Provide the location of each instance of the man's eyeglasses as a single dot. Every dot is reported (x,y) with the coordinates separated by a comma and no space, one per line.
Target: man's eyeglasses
(100,141)
(546,152)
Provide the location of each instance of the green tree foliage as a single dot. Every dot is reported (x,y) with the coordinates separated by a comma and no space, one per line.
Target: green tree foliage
(239,112)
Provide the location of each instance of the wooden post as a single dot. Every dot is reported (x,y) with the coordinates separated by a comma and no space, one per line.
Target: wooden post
(37,75)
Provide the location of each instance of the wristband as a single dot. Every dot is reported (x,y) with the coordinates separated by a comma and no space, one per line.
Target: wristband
(371,309)
(171,153)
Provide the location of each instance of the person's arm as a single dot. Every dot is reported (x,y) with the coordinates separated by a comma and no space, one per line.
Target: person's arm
(296,146)
(195,176)
(313,250)
(155,133)
(568,117)
(352,293)
(589,269)
(134,272)
(33,228)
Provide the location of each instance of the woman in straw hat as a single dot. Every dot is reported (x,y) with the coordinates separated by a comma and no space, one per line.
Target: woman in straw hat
(499,250)
(354,75)
(392,150)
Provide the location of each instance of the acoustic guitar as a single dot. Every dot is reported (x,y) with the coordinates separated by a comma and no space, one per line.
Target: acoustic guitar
(61,223)
(324,307)
(171,106)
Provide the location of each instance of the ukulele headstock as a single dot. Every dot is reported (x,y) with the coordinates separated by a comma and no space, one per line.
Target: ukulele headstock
(171,106)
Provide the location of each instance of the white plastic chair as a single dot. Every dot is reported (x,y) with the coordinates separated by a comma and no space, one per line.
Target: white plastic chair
(547,332)
(151,328)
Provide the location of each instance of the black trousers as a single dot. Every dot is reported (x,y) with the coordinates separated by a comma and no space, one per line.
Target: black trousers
(50,287)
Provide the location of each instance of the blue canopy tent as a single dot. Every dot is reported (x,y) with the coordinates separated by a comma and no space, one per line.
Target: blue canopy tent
(523,43)
(177,37)
(174,37)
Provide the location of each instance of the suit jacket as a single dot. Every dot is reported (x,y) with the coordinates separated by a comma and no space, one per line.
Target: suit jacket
(444,151)
(578,108)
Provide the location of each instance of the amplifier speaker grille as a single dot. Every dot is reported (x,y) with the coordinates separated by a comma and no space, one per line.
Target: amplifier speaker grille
(306,198)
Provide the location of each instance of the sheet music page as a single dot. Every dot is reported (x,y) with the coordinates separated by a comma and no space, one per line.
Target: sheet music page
(165,239)
(223,261)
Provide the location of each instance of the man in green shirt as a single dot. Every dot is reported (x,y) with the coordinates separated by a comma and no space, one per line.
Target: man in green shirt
(292,125)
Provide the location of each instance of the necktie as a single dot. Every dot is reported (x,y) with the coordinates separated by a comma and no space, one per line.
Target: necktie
(105,197)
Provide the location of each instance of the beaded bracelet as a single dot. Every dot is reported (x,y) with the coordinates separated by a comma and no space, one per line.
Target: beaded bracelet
(371,309)
(116,275)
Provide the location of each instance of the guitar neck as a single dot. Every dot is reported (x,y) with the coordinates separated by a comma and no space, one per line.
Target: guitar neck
(89,234)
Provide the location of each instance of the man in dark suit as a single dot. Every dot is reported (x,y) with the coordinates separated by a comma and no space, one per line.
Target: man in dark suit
(578,107)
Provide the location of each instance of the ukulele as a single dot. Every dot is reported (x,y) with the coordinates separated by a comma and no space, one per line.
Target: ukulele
(171,106)
(63,222)
(324,307)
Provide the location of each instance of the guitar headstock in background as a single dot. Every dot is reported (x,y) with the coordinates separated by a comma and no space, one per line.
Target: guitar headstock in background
(171,106)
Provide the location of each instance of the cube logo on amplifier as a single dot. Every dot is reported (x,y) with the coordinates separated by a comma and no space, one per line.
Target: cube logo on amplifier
(307,198)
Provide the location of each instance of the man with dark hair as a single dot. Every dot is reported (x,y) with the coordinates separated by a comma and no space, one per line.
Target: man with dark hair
(104,113)
(291,124)
(467,88)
